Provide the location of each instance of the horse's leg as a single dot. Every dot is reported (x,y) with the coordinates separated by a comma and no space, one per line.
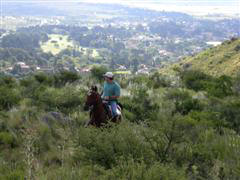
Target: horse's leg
(91,121)
(88,123)
(116,119)
(119,118)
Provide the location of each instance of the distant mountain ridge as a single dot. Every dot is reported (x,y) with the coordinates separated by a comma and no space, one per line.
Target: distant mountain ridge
(216,6)
(29,8)
(220,60)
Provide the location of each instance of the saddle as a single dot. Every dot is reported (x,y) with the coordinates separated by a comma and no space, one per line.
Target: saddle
(108,109)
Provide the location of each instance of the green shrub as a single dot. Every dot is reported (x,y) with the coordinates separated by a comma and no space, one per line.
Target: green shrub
(65,99)
(15,175)
(27,81)
(237,47)
(236,84)
(210,118)
(129,115)
(229,111)
(157,80)
(64,77)
(44,79)
(8,81)
(220,87)
(73,173)
(6,138)
(97,72)
(45,139)
(184,103)
(129,169)
(104,147)
(9,97)
(123,82)
(194,79)
(140,106)
(141,80)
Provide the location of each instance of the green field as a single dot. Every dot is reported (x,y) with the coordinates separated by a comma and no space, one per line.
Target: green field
(57,43)
(94,53)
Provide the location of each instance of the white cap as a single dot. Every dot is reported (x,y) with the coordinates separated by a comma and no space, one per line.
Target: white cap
(108,74)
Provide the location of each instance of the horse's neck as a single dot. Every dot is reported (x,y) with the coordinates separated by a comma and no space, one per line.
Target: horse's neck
(98,110)
(98,105)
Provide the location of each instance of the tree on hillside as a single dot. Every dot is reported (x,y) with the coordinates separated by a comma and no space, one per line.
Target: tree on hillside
(27,41)
(98,71)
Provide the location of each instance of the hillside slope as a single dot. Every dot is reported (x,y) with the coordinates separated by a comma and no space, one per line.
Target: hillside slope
(216,61)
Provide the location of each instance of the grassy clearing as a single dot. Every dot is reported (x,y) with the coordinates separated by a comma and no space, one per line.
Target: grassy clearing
(56,43)
(89,51)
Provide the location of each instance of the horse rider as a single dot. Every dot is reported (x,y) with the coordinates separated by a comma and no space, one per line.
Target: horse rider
(111,92)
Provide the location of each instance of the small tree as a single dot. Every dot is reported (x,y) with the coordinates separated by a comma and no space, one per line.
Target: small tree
(195,80)
(65,77)
(98,71)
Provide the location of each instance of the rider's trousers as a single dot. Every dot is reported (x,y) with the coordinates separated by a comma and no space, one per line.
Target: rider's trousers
(113,105)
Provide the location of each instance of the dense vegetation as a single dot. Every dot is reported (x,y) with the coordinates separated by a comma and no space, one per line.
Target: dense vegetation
(181,126)
(186,127)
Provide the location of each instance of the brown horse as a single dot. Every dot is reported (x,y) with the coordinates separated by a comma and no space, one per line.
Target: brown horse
(98,114)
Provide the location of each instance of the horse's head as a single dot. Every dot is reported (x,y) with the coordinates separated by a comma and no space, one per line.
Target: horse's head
(92,98)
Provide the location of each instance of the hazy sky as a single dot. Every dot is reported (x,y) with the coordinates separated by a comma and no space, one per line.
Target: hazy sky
(189,6)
